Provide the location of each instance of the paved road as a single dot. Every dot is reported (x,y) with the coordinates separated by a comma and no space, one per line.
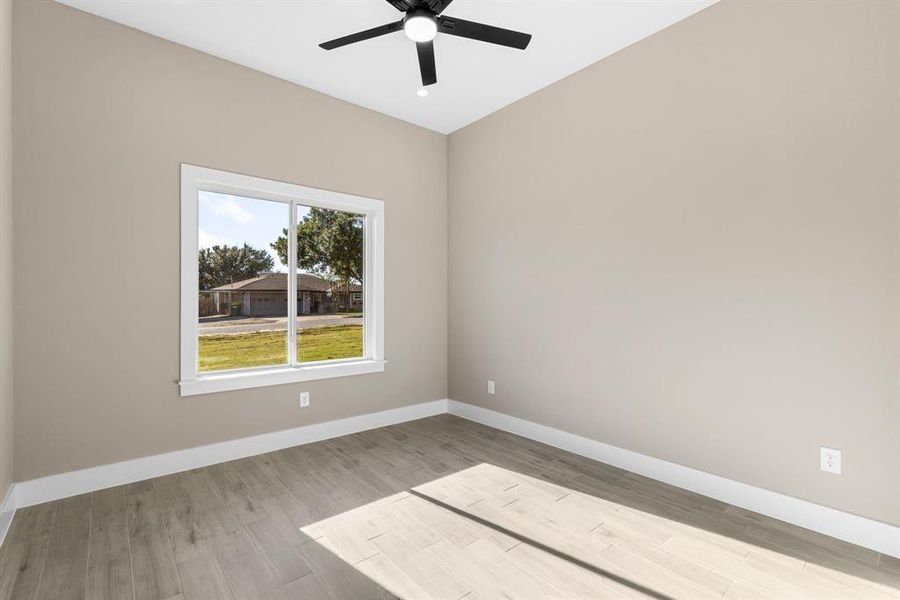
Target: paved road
(248,325)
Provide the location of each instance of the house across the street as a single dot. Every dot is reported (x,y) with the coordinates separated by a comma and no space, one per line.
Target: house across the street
(266,295)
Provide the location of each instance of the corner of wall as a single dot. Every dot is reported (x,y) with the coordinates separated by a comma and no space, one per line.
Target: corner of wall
(6,264)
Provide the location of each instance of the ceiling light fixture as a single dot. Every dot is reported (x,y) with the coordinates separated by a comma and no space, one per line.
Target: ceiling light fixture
(420,26)
(422,93)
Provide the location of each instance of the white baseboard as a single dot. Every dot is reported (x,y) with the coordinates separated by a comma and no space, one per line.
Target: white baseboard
(875,535)
(868,533)
(7,511)
(64,485)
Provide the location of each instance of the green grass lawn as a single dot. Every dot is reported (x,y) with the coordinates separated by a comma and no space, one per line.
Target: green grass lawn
(245,350)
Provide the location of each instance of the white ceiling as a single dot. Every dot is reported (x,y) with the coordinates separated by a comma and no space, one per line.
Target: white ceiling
(281,37)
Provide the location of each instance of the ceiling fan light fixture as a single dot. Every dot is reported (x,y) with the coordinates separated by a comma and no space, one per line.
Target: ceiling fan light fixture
(420,26)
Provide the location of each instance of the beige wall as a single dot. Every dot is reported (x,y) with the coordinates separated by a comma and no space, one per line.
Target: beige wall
(690,250)
(6,247)
(104,115)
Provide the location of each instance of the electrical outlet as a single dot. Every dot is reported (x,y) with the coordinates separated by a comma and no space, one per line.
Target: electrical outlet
(304,399)
(830,460)
(490,386)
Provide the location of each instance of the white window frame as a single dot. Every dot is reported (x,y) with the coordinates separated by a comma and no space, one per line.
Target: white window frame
(196,179)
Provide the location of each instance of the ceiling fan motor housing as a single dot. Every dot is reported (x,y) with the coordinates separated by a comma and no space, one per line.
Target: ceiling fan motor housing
(419,13)
(435,6)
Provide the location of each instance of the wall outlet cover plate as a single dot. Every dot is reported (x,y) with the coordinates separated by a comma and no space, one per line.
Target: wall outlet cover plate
(830,460)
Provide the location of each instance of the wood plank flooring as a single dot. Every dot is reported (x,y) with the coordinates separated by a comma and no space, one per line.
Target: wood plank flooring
(437,508)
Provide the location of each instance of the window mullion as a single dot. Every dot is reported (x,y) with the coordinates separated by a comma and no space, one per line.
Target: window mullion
(366,288)
(292,286)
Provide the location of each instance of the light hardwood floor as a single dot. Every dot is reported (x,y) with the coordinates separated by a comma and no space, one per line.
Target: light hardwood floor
(436,508)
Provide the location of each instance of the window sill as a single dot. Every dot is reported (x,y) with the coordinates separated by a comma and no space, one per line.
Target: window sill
(224,382)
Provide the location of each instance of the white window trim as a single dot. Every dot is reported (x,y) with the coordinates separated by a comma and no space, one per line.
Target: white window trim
(195,179)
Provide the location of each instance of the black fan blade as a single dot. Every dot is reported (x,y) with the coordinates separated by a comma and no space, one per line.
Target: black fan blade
(483,33)
(401,5)
(437,6)
(426,62)
(368,34)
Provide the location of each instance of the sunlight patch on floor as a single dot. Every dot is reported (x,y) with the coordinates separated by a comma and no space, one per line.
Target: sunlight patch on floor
(493,533)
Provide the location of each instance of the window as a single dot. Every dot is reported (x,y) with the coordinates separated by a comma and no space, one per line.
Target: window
(280,283)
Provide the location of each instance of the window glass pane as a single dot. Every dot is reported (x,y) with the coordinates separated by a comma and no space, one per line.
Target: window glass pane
(329,284)
(243,285)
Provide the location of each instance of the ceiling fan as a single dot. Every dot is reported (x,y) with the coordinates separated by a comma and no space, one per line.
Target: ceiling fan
(422,21)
